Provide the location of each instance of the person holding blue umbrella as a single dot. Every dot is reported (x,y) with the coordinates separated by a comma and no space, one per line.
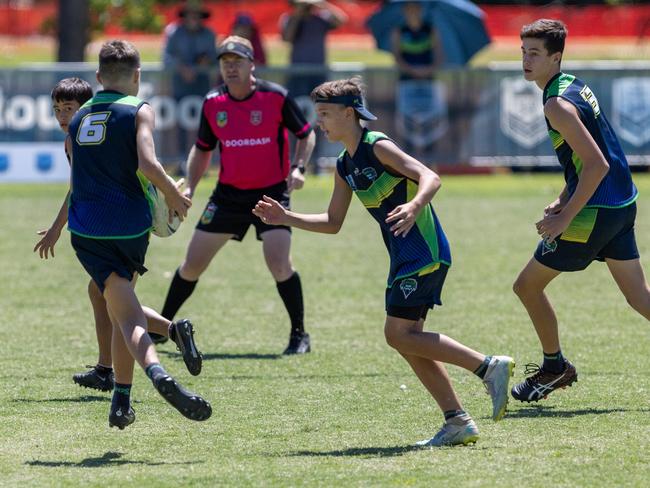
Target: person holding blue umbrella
(457,32)
(421,101)
(460,26)
(416,45)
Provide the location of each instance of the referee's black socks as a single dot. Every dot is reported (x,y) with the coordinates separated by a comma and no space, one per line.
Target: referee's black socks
(291,293)
(179,291)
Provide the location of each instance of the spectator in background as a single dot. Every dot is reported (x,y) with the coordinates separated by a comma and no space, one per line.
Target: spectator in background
(244,26)
(421,108)
(306,28)
(189,54)
(416,46)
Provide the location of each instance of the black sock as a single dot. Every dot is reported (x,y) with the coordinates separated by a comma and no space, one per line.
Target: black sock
(179,291)
(155,371)
(554,362)
(172,331)
(291,293)
(482,369)
(103,370)
(121,397)
(450,414)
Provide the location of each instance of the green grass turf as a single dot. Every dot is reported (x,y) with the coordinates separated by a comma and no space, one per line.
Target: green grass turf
(335,417)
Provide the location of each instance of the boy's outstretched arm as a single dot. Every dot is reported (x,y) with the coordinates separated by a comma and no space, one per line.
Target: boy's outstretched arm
(150,167)
(564,118)
(403,216)
(51,235)
(271,212)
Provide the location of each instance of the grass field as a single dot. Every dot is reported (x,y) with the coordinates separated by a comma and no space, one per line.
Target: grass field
(335,417)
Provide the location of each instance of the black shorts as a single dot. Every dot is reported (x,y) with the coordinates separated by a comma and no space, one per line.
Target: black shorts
(411,297)
(230,210)
(594,234)
(101,257)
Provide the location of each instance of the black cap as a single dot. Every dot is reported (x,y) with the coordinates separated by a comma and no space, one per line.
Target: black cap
(233,47)
(354,101)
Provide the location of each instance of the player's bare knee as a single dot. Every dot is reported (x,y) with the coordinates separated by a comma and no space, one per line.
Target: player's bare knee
(524,287)
(281,269)
(394,336)
(518,286)
(391,339)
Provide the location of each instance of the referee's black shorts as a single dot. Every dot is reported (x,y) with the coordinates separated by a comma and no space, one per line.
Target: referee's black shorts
(229,210)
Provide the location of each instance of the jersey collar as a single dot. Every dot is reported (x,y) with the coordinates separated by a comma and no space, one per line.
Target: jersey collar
(553,78)
(241,99)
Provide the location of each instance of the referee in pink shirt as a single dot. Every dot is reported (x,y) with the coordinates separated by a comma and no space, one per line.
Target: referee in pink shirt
(248,119)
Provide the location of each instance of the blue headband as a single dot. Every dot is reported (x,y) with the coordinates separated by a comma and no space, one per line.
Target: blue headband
(354,101)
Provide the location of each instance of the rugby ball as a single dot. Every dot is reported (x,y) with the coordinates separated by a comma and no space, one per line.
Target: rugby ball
(161,226)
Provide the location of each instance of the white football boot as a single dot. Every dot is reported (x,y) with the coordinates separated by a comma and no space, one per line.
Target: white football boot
(497,376)
(458,430)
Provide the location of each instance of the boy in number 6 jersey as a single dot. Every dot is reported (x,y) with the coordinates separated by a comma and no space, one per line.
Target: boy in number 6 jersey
(109,218)
(68,95)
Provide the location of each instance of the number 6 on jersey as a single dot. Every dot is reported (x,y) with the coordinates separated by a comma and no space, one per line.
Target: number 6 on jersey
(92,130)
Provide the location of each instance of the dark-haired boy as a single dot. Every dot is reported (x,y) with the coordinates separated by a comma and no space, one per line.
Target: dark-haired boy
(592,218)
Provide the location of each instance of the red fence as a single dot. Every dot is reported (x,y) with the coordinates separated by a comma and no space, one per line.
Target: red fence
(594,20)
(16,21)
(587,21)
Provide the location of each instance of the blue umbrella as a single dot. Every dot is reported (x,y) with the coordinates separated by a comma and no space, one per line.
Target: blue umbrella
(459,24)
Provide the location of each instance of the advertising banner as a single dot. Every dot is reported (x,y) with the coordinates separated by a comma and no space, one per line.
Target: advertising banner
(479,117)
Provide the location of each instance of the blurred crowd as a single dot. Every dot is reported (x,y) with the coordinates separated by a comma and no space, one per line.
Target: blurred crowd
(406,30)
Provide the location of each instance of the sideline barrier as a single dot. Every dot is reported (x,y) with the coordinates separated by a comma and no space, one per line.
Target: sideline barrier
(489,117)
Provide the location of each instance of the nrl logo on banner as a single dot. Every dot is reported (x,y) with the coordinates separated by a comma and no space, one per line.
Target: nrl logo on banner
(522,114)
(631,109)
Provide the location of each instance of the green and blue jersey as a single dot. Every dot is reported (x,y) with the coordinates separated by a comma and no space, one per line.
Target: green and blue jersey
(108,198)
(416,47)
(616,189)
(380,191)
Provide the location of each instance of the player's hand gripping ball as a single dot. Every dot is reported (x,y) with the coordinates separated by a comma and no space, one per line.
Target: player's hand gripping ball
(162,225)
